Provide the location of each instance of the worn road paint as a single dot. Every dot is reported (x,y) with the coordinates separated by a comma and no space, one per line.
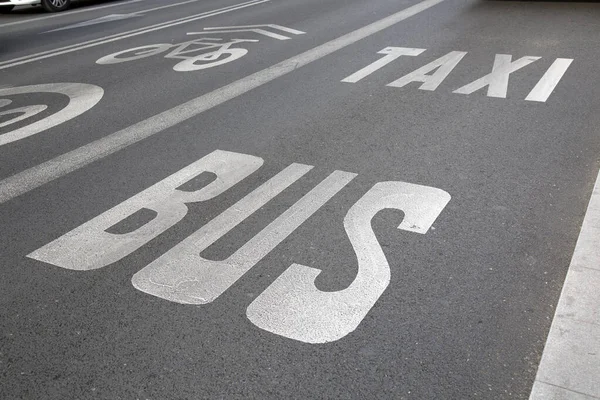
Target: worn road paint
(546,85)
(81,96)
(497,80)
(205,53)
(197,54)
(124,35)
(293,307)
(82,10)
(392,53)
(59,166)
(255,29)
(96,21)
(90,246)
(182,275)
(272,26)
(442,67)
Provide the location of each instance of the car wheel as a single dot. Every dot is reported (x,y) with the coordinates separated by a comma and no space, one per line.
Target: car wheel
(55,5)
(6,9)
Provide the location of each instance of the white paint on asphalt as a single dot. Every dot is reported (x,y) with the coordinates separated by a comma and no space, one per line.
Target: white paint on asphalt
(497,80)
(96,21)
(442,67)
(548,82)
(182,275)
(570,365)
(90,246)
(205,53)
(65,14)
(59,166)
(272,26)
(124,35)
(198,54)
(22,113)
(81,96)
(253,28)
(392,53)
(88,9)
(293,307)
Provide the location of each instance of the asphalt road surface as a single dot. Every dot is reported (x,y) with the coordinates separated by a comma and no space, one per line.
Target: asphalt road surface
(290,198)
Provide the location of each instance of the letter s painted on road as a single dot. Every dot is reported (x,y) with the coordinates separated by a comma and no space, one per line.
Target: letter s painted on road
(293,307)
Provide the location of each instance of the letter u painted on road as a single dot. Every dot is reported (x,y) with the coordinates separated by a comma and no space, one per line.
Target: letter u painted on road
(291,306)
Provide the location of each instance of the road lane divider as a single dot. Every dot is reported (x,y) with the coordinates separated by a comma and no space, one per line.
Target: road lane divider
(57,167)
(124,35)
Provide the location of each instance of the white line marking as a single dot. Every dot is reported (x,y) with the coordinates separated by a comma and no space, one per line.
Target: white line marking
(72,12)
(571,358)
(100,8)
(59,166)
(549,80)
(274,26)
(123,35)
(259,31)
(96,21)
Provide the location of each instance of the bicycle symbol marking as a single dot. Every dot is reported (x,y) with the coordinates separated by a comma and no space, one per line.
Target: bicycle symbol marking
(200,53)
(81,96)
(193,53)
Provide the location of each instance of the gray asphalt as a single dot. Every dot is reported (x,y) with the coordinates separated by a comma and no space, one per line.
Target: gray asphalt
(470,302)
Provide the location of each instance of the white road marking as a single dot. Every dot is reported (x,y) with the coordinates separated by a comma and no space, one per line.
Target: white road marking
(273,26)
(205,53)
(22,113)
(392,53)
(123,35)
(182,275)
(543,89)
(59,166)
(82,10)
(96,21)
(442,67)
(74,12)
(90,246)
(293,307)
(81,96)
(253,28)
(497,80)
(570,365)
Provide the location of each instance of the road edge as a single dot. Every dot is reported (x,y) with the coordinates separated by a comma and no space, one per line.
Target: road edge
(570,364)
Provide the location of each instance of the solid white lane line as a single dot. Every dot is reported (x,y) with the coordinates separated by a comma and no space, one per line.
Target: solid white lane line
(570,365)
(165,6)
(124,35)
(100,8)
(70,13)
(46,172)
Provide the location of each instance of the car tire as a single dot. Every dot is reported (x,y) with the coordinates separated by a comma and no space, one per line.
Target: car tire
(55,5)
(6,9)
